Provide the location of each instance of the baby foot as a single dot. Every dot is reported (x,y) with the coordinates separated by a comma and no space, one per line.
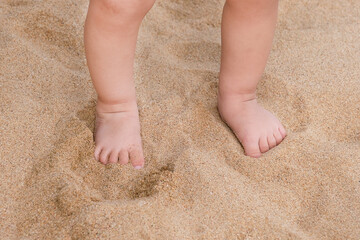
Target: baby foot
(117,134)
(257,129)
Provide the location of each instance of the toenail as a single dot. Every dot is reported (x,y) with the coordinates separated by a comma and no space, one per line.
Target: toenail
(138,167)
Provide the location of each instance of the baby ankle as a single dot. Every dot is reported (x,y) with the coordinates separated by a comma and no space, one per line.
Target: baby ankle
(120,106)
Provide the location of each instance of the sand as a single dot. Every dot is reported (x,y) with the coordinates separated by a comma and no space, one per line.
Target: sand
(197,183)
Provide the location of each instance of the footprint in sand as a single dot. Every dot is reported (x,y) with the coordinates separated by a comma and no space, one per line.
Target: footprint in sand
(18,3)
(148,184)
(70,180)
(55,37)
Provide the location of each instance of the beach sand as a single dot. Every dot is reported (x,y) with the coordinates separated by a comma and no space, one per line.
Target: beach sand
(197,182)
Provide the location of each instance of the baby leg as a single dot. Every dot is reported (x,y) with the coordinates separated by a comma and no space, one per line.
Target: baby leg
(110,36)
(247,31)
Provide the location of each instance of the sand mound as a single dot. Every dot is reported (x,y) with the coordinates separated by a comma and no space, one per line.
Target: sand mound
(197,183)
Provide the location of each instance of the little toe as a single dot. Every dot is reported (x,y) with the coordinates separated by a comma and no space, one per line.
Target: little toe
(282,131)
(104,156)
(263,144)
(271,140)
(136,158)
(123,157)
(97,153)
(278,137)
(251,148)
(114,155)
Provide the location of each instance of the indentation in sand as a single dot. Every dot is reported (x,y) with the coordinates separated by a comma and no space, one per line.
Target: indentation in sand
(52,32)
(87,114)
(18,3)
(147,184)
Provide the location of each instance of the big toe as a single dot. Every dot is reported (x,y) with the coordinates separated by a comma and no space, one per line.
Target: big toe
(137,157)
(251,147)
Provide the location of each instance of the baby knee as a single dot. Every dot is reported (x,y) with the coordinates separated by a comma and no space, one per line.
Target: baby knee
(126,7)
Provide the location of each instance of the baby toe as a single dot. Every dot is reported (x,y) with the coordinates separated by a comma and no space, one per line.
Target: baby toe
(282,131)
(263,144)
(271,140)
(123,157)
(104,155)
(114,155)
(97,153)
(278,137)
(251,147)
(137,158)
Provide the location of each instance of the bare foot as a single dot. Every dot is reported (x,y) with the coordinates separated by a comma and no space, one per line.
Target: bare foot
(117,134)
(257,129)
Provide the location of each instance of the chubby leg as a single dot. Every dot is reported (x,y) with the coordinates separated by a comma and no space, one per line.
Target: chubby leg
(247,31)
(110,36)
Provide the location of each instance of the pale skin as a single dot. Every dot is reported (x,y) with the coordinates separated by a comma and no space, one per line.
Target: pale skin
(110,36)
